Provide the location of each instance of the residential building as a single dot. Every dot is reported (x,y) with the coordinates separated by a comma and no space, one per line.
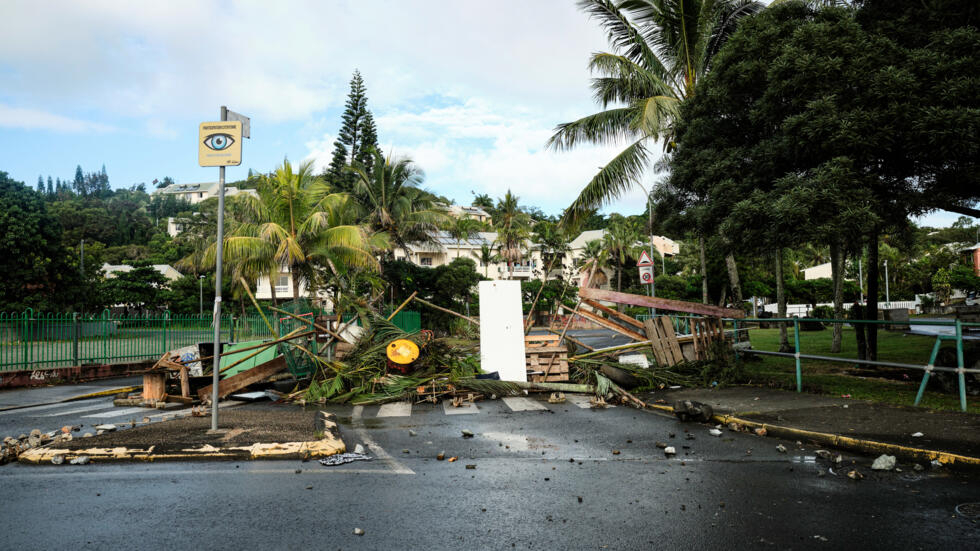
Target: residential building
(195,193)
(818,272)
(284,288)
(444,249)
(476,213)
(973,254)
(166,270)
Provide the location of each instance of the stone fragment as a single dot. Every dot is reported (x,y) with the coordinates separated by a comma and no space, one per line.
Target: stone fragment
(884,463)
(669,450)
(781,448)
(358,532)
(467,433)
(106,427)
(57,460)
(359,449)
(80,460)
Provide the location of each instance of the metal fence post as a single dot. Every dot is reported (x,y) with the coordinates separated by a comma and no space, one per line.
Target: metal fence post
(796,339)
(231,328)
(960,365)
(76,334)
(166,316)
(25,335)
(928,369)
(106,320)
(735,336)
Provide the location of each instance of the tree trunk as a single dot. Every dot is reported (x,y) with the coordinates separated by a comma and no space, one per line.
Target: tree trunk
(781,303)
(272,287)
(704,270)
(733,279)
(837,275)
(871,311)
(724,295)
(295,277)
(619,285)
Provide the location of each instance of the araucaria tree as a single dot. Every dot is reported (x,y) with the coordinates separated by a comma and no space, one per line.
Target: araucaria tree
(357,138)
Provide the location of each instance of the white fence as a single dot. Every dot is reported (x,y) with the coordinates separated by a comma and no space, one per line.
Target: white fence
(801,310)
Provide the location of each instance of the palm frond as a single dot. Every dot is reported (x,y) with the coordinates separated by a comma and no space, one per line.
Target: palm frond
(607,127)
(620,174)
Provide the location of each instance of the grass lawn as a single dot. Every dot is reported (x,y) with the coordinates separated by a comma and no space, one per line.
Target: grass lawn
(835,378)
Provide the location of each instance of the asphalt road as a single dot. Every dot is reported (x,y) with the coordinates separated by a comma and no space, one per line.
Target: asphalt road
(531,467)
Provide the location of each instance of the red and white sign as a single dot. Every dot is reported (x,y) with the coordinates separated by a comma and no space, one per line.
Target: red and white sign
(644,259)
(646,274)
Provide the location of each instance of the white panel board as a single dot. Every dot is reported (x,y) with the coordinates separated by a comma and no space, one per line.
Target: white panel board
(502,330)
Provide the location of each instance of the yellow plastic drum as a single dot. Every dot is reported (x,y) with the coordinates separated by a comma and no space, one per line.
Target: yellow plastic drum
(403,352)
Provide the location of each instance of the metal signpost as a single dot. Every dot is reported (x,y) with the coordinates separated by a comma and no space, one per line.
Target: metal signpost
(220,144)
(645,265)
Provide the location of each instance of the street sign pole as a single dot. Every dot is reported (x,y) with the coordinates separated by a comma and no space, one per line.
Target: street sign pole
(646,267)
(217,289)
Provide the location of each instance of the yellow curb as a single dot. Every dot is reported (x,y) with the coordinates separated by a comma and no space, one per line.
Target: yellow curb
(109,392)
(330,444)
(844,442)
(854,444)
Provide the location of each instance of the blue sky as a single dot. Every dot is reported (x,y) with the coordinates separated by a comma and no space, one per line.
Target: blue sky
(469,90)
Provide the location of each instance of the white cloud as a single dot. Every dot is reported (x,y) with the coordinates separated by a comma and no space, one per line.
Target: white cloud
(33,119)
(482,147)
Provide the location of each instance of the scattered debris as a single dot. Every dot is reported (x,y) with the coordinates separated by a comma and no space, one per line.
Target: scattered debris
(470,466)
(557,398)
(467,433)
(824,454)
(453,458)
(597,402)
(936,464)
(884,463)
(854,475)
(358,532)
(412,433)
(687,410)
(669,450)
(735,427)
(761,431)
(918,467)
(917,435)
(615,452)
(87,435)
(781,448)
(359,449)
(57,460)
(714,432)
(441,456)
(342,458)
(661,445)
(106,427)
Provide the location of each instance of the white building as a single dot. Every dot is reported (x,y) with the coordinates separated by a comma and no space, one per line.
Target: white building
(166,270)
(817,272)
(195,193)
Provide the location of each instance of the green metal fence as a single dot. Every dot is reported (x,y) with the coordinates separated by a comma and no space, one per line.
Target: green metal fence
(34,340)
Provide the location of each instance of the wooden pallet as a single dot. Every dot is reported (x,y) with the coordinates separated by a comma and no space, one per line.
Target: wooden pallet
(705,331)
(542,350)
(663,341)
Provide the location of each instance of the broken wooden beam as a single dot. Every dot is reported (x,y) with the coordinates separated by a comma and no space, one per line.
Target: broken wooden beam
(660,303)
(241,380)
(608,324)
(614,313)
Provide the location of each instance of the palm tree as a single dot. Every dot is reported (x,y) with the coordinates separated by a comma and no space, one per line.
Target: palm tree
(512,225)
(486,256)
(620,241)
(662,49)
(595,257)
(393,203)
(296,220)
(554,243)
(462,228)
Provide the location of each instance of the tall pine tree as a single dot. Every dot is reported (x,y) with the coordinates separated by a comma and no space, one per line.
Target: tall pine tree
(50,186)
(40,184)
(357,136)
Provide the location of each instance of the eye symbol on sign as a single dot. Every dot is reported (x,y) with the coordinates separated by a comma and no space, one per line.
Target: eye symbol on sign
(219,142)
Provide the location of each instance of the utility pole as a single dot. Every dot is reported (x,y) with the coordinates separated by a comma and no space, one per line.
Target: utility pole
(216,321)
(887,300)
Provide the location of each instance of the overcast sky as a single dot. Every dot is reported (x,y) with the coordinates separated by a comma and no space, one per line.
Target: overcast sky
(469,90)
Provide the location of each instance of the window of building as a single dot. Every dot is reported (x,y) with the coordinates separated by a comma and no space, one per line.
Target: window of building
(282,286)
(425,261)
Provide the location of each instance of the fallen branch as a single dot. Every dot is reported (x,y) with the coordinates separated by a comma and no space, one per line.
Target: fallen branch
(404,304)
(446,310)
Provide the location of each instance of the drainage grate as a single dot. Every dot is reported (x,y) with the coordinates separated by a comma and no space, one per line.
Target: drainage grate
(968,510)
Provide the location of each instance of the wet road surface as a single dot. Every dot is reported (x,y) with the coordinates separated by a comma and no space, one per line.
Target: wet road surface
(533,461)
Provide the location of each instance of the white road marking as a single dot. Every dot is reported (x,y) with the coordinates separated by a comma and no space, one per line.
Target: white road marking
(469,407)
(582,401)
(517,403)
(395,409)
(396,467)
(118,413)
(79,410)
(29,409)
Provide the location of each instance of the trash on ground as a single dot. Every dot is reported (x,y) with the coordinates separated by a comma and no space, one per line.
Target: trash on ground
(883,463)
(467,433)
(761,431)
(917,435)
(714,432)
(557,398)
(688,410)
(669,450)
(358,532)
(854,475)
(781,448)
(80,460)
(359,449)
(343,458)
(453,458)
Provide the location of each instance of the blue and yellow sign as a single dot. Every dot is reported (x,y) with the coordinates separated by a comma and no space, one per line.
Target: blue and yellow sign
(219,143)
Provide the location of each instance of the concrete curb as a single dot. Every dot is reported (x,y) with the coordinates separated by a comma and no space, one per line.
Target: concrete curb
(845,442)
(330,444)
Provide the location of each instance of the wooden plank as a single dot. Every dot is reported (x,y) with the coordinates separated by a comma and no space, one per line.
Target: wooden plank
(614,313)
(671,340)
(608,324)
(660,303)
(241,380)
(154,386)
(185,383)
(654,335)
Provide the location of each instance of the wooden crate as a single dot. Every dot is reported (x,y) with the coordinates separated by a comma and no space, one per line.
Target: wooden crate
(539,351)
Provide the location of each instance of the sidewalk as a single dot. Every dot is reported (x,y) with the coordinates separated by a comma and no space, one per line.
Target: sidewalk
(40,395)
(950,432)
